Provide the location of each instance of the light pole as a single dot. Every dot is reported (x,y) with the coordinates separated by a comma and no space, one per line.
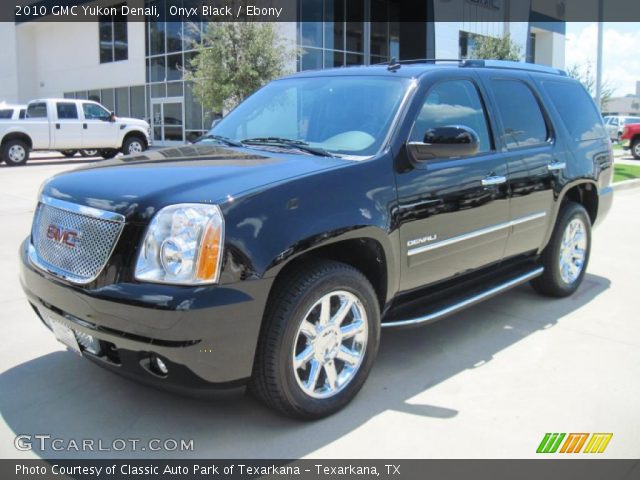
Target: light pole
(599,59)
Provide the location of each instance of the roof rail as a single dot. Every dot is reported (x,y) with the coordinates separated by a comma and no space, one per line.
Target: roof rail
(510,65)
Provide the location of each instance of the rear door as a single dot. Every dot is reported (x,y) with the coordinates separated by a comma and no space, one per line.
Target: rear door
(37,125)
(98,131)
(453,212)
(535,157)
(67,129)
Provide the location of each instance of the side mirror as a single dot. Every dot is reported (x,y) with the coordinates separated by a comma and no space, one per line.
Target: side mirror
(112,117)
(445,142)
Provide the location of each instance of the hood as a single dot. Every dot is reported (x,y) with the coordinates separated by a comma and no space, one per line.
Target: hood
(138,186)
(132,121)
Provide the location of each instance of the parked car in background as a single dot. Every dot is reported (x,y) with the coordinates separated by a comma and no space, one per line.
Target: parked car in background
(67,126)
(325,207)
(12,112)
(615,125)
(631,139)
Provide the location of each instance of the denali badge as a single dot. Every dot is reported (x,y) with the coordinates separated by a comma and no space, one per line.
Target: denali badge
(420,241)
(64,236)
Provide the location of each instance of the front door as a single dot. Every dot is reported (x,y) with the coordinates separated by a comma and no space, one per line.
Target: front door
(167,121)
(453,212)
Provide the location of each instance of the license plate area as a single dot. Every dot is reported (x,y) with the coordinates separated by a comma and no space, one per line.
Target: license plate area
(65,335)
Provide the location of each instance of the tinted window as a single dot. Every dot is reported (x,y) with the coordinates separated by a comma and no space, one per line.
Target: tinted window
(578,112)
(23,113)
(37,110)
(522,118)
(94,112)
(453,103)
(6,113)
(629,120)
(67,110)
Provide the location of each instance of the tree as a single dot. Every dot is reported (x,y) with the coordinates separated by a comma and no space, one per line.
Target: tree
(234,60)
(584,74)
(496,48)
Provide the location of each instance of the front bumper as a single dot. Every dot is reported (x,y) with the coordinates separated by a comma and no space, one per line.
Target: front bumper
(205,335)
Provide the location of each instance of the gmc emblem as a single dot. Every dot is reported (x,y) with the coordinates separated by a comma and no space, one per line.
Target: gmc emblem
(63,236)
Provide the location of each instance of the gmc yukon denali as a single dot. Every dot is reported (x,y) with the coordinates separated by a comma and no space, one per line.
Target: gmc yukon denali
(325,207)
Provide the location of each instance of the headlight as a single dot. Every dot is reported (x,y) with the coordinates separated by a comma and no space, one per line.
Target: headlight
(183,245)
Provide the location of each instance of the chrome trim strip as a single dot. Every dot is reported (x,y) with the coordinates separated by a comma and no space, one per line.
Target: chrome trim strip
(82,209)
(476,233)
(467,302)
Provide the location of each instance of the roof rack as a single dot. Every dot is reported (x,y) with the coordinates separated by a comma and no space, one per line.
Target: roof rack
(511,65)
(394,64)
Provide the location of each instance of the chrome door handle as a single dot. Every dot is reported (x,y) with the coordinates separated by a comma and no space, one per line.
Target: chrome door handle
(556,166)
(489,181)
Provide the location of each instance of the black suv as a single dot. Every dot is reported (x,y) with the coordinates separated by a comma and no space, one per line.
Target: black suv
(328,205)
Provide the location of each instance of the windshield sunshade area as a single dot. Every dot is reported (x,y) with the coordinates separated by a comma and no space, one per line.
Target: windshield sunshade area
(342,115)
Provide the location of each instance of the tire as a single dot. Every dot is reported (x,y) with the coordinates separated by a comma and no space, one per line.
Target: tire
(133,145)
(108,153)
(566,257)
(89,153)
(15,152)
(635,148)
(69,153)
(276,381)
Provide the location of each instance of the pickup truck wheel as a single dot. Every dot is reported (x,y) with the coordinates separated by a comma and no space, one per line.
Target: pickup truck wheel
(566,256)
(108,153)
(319,341)
(635,149)
(15,152)
(69,153)
(133,145)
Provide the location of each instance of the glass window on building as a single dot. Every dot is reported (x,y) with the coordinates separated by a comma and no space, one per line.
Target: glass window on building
(94,95)
(108,99)
(113,37)
(138,108)
(122,102)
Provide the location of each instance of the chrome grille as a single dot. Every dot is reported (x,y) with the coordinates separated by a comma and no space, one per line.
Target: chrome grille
(95,235)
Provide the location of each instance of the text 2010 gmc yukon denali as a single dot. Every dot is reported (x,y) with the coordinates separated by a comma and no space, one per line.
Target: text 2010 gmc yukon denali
(325,207)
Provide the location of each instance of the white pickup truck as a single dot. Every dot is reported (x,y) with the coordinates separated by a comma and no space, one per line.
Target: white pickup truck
(68,125)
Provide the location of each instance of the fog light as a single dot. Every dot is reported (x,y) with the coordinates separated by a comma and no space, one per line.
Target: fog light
(159,365)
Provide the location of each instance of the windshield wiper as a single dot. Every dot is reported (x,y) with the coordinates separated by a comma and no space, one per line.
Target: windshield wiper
(287,143)
(219,138)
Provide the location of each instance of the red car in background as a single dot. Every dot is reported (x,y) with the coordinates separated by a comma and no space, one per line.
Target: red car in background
(631,139)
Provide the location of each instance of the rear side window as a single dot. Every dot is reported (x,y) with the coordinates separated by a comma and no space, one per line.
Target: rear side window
(6,113)
(67,110)
(522,119)
(577,110)
(454,102)
(23,113)
(37,110)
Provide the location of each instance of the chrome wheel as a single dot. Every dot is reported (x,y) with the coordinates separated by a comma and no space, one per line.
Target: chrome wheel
(135,146)
(17,154)
(573,251)
(330,344)
(636,149)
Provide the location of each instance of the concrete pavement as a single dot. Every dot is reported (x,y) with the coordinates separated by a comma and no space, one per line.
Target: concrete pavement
(488,382)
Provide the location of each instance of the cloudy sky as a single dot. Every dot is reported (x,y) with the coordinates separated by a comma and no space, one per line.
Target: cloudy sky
(620,58)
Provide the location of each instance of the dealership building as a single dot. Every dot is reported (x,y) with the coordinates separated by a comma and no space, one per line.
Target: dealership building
(136,67)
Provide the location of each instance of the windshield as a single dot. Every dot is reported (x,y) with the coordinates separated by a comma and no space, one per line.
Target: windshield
(343,115)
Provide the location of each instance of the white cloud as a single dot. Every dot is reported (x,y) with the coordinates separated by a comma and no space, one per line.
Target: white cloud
(621,64)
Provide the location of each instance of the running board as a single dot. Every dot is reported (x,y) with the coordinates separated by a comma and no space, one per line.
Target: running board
(467,302)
